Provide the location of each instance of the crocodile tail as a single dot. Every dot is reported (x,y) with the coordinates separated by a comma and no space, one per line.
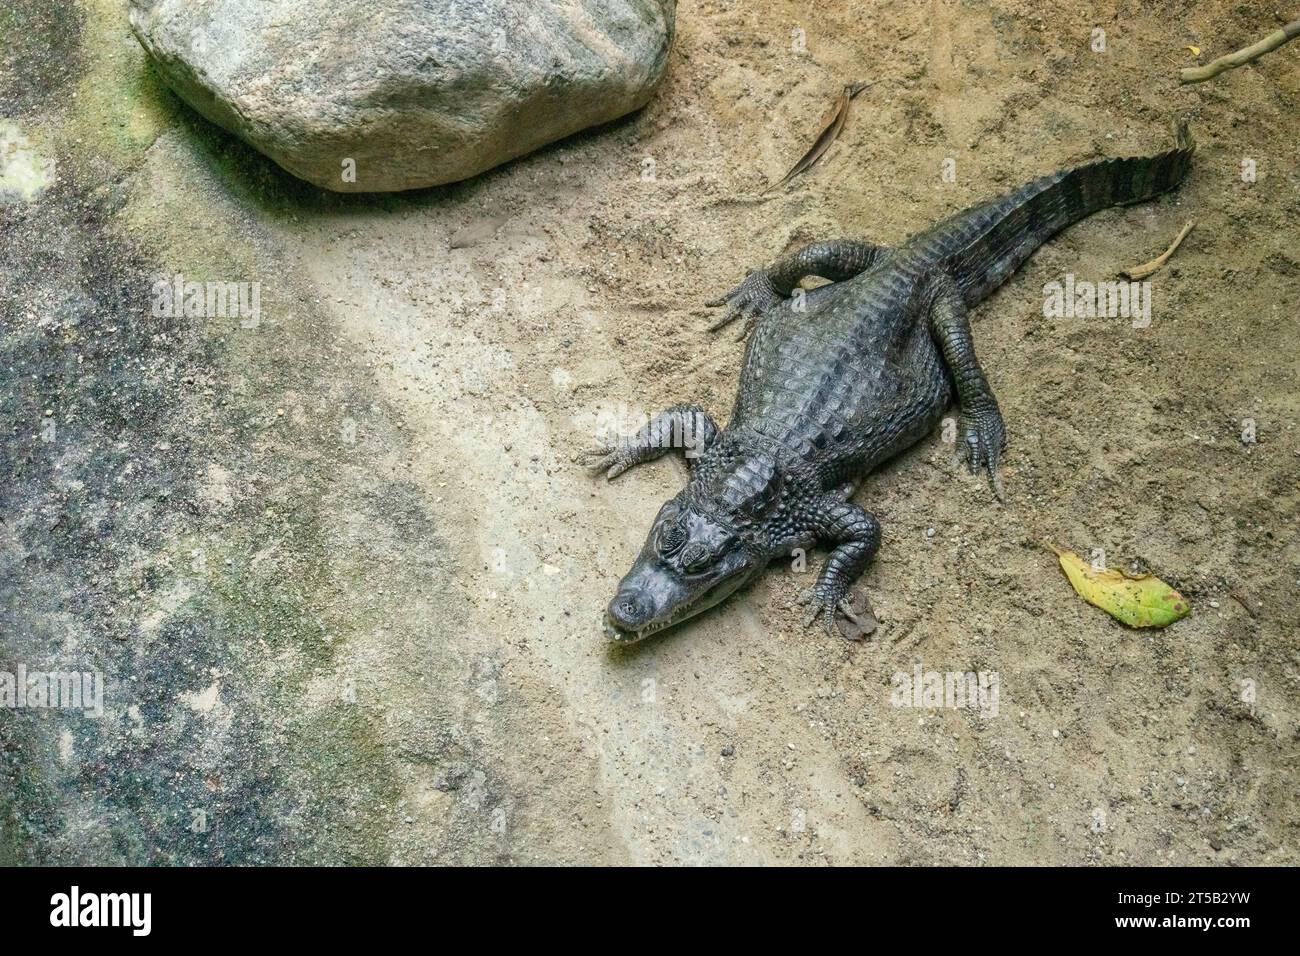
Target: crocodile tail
(992,241)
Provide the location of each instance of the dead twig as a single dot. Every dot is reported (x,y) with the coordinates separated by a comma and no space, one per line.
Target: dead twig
(1198,74)
(1147,268)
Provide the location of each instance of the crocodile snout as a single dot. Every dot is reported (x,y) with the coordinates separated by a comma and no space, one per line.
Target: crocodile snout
(629,611)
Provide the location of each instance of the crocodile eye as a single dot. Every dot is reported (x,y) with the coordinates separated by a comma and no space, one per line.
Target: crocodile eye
(696,558)
(671,537)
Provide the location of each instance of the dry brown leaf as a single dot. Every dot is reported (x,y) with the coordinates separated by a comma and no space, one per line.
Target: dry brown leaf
(831,127)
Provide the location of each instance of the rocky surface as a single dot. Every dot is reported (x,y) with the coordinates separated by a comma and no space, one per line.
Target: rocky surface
(382,95)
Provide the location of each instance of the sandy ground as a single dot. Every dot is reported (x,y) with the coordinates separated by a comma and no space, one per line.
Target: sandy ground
(344,577)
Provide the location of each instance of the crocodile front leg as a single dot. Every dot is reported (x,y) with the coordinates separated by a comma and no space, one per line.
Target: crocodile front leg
(983,433)
(688,428)
(855,532)
(837,260)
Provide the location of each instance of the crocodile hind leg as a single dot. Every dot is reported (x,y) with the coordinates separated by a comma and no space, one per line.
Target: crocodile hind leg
(855,534)
(983,433)
(837,260)
(688,428)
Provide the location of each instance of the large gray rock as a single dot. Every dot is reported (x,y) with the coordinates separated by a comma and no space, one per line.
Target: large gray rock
(376,95)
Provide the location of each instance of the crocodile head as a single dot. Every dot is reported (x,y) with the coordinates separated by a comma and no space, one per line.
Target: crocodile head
(695,556)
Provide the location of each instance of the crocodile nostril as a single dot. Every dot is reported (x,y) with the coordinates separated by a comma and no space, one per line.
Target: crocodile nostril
(628,610)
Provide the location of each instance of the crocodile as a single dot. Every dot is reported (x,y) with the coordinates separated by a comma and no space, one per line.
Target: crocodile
(836,380)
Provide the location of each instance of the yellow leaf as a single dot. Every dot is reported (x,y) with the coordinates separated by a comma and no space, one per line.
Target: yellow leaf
(1196,50)
(1143,601)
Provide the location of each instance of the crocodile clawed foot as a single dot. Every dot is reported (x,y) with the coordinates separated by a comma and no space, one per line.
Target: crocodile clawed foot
(983,440)
(831,606)
(613,460)
(754,296)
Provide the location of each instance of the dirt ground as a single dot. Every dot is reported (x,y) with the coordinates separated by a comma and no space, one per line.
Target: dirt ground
(344,576)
